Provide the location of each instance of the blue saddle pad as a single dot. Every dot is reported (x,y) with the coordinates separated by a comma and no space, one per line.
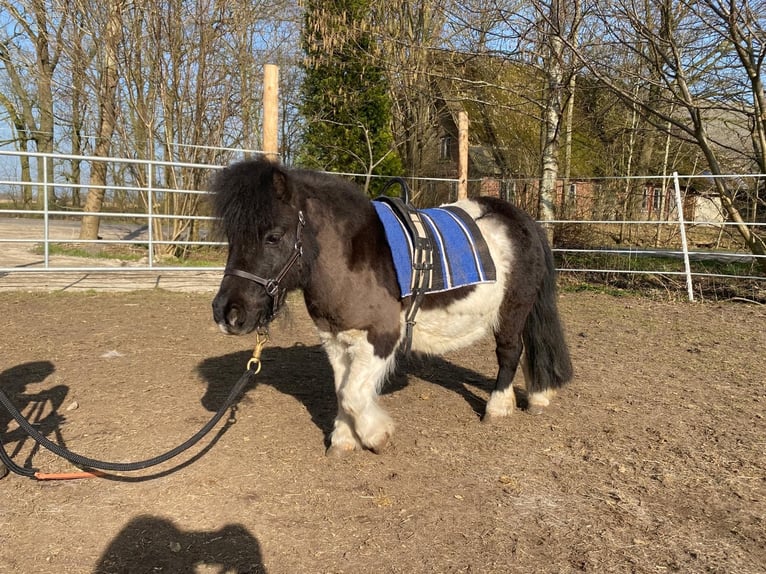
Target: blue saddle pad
(460,258)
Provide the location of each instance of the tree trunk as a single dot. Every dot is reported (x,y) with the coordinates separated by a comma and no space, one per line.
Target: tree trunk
(753,241)
(46,65)
(550,166)
(22,137)
(93,202)
(107,117)
(551,131)
(628,203)
(568,206)
(79,67)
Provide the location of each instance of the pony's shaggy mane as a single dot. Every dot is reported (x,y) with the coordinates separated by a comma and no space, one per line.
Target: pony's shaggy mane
(243,200)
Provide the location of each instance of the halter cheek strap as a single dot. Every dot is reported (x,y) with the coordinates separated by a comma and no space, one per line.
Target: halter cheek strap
(272,286)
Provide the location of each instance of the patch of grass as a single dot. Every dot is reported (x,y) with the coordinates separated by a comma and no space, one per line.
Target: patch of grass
(87,252)
(573,285)
(661,277)
(123,252)
(198,257)
(177,262)
(653,264)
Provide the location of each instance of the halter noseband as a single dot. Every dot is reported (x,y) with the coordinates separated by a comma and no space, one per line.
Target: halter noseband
(272,285)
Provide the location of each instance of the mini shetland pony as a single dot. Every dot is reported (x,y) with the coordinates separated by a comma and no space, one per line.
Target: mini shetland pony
(293,229)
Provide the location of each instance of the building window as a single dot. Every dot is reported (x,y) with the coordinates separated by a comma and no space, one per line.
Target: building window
(445,148)
(572,193)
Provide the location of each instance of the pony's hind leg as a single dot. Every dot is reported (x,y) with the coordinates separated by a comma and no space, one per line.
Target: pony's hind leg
(360,421)
(547,364)
(502,401)
(536,400)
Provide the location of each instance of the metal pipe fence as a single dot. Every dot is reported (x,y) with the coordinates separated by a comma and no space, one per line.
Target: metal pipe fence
(154,219)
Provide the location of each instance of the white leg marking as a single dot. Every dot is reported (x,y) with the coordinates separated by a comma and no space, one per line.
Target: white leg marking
(536,402)
(343,438)
(358,376)
(541,399)
(501,403)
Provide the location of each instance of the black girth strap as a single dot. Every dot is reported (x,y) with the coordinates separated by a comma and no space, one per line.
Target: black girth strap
(422,257)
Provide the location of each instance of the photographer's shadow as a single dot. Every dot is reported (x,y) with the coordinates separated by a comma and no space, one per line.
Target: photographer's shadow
(151,544)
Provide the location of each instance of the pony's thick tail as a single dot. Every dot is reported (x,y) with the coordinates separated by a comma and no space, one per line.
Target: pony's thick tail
(545,346)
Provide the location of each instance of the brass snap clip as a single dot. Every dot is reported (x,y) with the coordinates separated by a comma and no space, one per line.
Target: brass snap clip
(254,364)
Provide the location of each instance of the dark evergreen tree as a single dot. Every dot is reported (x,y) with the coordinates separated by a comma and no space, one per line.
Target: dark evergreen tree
(345,102)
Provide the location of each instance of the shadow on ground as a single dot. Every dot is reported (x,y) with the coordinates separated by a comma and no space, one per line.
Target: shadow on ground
(304,373)
(149,540)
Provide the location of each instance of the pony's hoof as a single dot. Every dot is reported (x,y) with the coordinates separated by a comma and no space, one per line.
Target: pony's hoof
(534,409)
(537,402)
(379,443)
(339,451)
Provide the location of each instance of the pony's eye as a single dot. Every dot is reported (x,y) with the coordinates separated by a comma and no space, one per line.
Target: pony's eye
(273,238)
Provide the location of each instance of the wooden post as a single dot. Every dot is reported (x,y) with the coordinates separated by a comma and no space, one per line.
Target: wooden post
(462,166)
(270,111)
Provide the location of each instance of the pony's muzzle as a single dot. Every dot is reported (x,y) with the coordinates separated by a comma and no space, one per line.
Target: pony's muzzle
(230,317)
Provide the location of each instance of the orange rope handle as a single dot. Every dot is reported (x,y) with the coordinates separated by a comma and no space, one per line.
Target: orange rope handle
(69,475)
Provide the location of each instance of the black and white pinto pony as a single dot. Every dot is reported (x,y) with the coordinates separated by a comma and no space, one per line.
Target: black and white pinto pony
(293,229)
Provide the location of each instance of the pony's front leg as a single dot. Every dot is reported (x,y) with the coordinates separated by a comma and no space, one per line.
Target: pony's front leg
(343,439)
(360,419)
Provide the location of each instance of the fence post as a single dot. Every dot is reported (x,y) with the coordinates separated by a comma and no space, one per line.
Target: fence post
(462,164)
(684,244)
(46,222)
(149,210)
(271,111)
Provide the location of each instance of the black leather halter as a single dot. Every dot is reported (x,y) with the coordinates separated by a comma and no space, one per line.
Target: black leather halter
(272,286)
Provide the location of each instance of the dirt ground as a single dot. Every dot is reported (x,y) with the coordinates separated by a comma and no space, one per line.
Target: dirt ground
(653,460)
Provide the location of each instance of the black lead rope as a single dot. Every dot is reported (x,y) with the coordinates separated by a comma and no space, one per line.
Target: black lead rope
(253,367)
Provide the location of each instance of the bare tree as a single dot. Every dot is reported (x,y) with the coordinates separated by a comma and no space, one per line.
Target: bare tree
(742,25)
(19,111)
(409,35)
(193,75)
(695,56)
(38,26)
(79,58)
(189,81)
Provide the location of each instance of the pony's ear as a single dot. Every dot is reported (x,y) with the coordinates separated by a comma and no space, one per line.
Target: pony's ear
(281,185)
